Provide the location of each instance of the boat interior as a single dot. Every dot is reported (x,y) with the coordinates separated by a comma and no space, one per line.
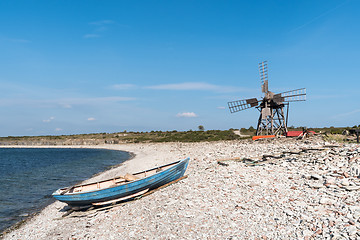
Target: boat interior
(115,181)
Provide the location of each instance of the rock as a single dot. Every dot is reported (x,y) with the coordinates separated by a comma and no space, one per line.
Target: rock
(351,222)
(336,236)
(252,184)
(306,218)
(331,223)
(344,182)
(327,201)
(355,170)
(332,186)
(316,177)
(288,212)
(307,233)
(306,176)
(330,180)
(316,185)
(351,188)
(352,230)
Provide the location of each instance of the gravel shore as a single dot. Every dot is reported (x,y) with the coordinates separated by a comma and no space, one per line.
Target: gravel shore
(311,195)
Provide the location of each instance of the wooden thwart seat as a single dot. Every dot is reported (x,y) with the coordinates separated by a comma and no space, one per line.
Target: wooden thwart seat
(130,177)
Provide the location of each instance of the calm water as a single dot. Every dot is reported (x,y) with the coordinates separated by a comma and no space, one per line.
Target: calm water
(29,176)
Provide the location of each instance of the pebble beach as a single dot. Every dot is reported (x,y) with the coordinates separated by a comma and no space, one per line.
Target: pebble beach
(310,194)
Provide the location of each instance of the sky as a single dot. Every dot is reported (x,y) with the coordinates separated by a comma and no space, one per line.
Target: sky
(73,67)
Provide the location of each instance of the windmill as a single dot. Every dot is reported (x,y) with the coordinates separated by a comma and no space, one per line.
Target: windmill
(272,120)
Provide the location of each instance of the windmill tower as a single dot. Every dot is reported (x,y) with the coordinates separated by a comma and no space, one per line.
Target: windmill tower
(272,120)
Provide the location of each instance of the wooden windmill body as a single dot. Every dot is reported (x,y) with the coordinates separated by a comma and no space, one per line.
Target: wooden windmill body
(272,120)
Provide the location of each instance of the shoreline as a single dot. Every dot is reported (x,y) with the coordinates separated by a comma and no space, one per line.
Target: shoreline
(300,196)
(50,202)
(96,177)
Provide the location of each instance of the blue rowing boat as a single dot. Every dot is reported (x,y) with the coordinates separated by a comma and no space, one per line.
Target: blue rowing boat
(122,187)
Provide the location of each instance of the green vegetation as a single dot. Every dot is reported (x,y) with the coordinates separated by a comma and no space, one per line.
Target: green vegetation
(335,137)
(124,137)
(329,133)
(188,136)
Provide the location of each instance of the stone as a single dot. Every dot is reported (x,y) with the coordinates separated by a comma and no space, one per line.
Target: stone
(351,188)
(288,212)
(327,201)
(252,184)
(316,185)
(306,176)
(336,236)
(307,233)
(345,182)
(330,180)
(352,230)
(316,176)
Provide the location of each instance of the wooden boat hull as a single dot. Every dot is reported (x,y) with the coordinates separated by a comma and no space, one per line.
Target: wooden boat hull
(125,189)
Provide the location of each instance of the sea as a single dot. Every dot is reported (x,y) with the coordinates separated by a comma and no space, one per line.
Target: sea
(28,176)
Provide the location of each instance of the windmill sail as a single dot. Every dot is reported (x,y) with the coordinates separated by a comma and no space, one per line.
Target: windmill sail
(240,105)
(264,76)
(291,96)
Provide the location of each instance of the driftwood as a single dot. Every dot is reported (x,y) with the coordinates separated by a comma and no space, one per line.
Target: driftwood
(119,202)
(266,157)
(121,199)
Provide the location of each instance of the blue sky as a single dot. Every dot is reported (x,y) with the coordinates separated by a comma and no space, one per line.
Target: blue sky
(69,67)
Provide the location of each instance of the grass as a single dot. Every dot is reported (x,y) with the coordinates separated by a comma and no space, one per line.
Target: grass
(330,134)
(124,137)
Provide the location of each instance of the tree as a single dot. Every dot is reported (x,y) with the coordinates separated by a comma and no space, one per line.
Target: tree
(201,128)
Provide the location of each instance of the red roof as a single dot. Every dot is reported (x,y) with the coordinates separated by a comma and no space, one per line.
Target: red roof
(296,133)
(293,133)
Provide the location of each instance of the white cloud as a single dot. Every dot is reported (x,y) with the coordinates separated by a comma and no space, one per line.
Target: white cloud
(99,100)
(70,102)
(123,86)
(187,114)
(49,119)
(99,27)
(62,102)
(66,105)
(184,86)
(347,114)
(201,86)
(91,119)
(58,129)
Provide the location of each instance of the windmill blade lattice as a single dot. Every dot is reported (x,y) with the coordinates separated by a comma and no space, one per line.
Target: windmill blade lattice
(293,95)
(263,69)
(236,106)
